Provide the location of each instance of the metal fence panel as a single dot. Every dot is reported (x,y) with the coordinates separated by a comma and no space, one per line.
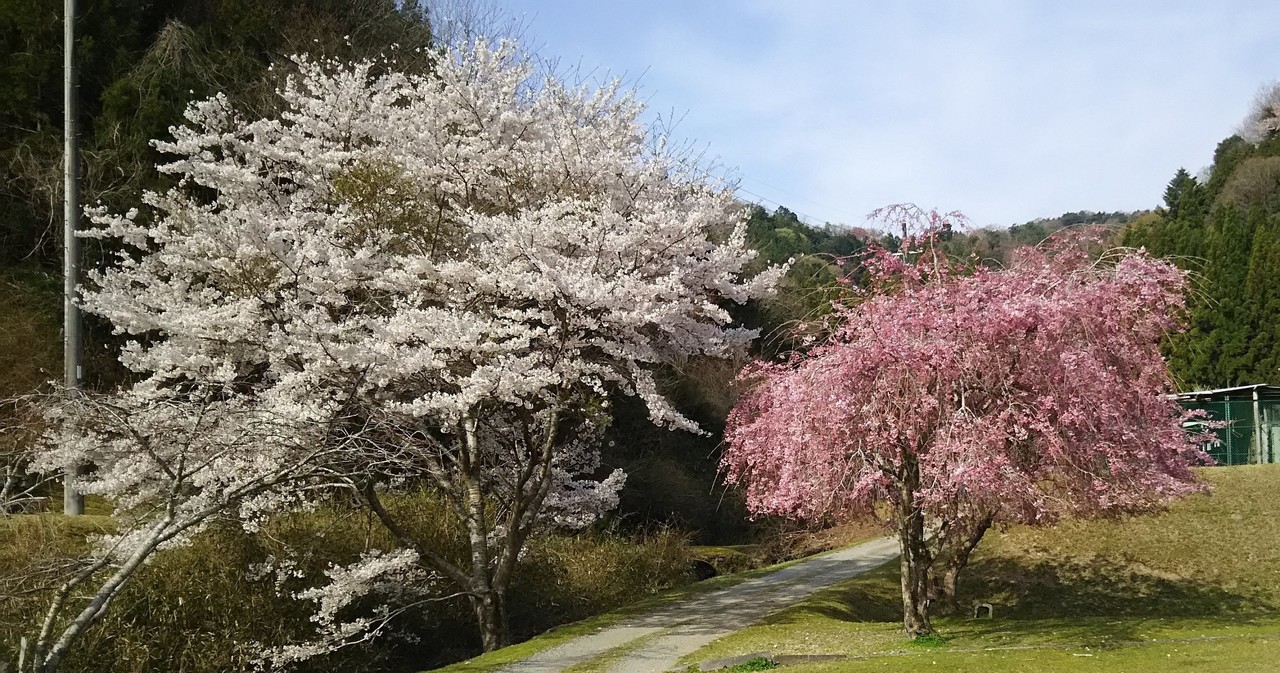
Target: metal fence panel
(1252,434)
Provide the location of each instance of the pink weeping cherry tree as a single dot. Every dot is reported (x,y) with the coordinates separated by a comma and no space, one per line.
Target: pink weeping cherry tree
(956,398)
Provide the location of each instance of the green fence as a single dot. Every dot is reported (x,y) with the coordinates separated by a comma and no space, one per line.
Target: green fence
(1252,432)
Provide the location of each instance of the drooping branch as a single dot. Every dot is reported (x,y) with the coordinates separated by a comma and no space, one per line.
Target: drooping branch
(967,396)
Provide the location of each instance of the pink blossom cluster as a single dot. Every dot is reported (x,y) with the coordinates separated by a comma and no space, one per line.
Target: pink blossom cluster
(1033,391)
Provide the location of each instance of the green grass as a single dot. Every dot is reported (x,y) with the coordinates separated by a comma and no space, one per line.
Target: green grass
(1249,655)
(930,640)
(492,661)
(1194,588)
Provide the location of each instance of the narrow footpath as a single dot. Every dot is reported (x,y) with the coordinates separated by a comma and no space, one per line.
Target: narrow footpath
(676,630)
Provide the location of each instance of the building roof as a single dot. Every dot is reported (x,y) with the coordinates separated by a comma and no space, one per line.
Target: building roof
(1263,390)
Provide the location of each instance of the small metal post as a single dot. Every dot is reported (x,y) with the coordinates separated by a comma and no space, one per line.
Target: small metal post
(1259,455)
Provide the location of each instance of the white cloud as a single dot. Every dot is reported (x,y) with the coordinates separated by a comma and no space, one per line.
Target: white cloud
(1005,110)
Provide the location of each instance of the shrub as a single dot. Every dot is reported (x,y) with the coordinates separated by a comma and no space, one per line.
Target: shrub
(571,578)
(198,608)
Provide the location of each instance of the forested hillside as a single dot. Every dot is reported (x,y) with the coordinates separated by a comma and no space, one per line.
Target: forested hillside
(1224,227)
(140,63)
(991,245)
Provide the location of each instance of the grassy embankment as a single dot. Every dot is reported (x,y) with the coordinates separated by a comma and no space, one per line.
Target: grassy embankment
(194,609)
(1196,588)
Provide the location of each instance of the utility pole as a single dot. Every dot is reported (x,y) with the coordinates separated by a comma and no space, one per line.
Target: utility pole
(72,501)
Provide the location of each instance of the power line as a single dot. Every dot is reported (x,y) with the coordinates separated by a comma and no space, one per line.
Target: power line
(807,219)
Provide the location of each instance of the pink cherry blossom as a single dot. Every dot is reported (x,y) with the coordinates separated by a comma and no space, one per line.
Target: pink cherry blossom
(965,397)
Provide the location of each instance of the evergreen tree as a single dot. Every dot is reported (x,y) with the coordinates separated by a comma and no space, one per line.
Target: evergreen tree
(1224,229)
(1218,354)
(1179,187)
(1262,301)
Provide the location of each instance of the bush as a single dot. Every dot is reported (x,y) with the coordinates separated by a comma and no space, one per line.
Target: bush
(196,608)
(570,578)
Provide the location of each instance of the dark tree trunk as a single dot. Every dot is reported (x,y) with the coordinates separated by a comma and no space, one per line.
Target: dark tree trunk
(495,536)
(952,557)
(491,615)
(915,553)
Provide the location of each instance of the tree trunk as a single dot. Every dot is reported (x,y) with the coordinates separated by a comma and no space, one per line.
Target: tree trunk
(491,615)
(953,556)
(48,657)
(944,590)
(915,554)
(486,596)
(495,537)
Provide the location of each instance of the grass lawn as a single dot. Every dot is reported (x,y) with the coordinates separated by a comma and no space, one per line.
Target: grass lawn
(1196,588)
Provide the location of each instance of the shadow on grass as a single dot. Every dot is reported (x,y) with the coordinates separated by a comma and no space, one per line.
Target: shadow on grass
(1049,602)
(1069,587)
(873,597)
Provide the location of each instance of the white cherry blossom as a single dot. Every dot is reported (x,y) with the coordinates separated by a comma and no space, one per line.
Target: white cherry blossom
(427,280)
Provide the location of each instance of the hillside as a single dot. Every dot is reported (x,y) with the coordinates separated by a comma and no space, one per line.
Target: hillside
(391,388)
(1211,554)
(1224,227)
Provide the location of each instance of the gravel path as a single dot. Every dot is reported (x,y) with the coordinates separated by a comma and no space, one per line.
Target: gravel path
(676,630)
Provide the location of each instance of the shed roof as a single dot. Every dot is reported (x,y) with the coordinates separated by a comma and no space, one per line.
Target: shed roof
(1264,391)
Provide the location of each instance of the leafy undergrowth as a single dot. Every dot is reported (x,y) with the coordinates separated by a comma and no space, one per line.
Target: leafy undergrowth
(782,546)
(756,664)
(1194,588)
(196,609)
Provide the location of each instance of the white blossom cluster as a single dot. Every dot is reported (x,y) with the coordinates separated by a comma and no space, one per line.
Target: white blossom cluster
(1263,119)
(574,499)
(429,245)
(396,577)
(433,277)
(170,458)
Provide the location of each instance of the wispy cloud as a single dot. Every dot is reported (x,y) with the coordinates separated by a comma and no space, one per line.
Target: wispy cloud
(1006,110)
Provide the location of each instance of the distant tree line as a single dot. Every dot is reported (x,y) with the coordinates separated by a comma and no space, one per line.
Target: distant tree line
(1224,225)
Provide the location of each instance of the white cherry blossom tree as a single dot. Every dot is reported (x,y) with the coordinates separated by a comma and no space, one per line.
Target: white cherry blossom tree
(1264,115)
(438,280)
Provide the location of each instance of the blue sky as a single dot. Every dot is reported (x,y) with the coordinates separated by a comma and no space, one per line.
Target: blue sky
(1006,111)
